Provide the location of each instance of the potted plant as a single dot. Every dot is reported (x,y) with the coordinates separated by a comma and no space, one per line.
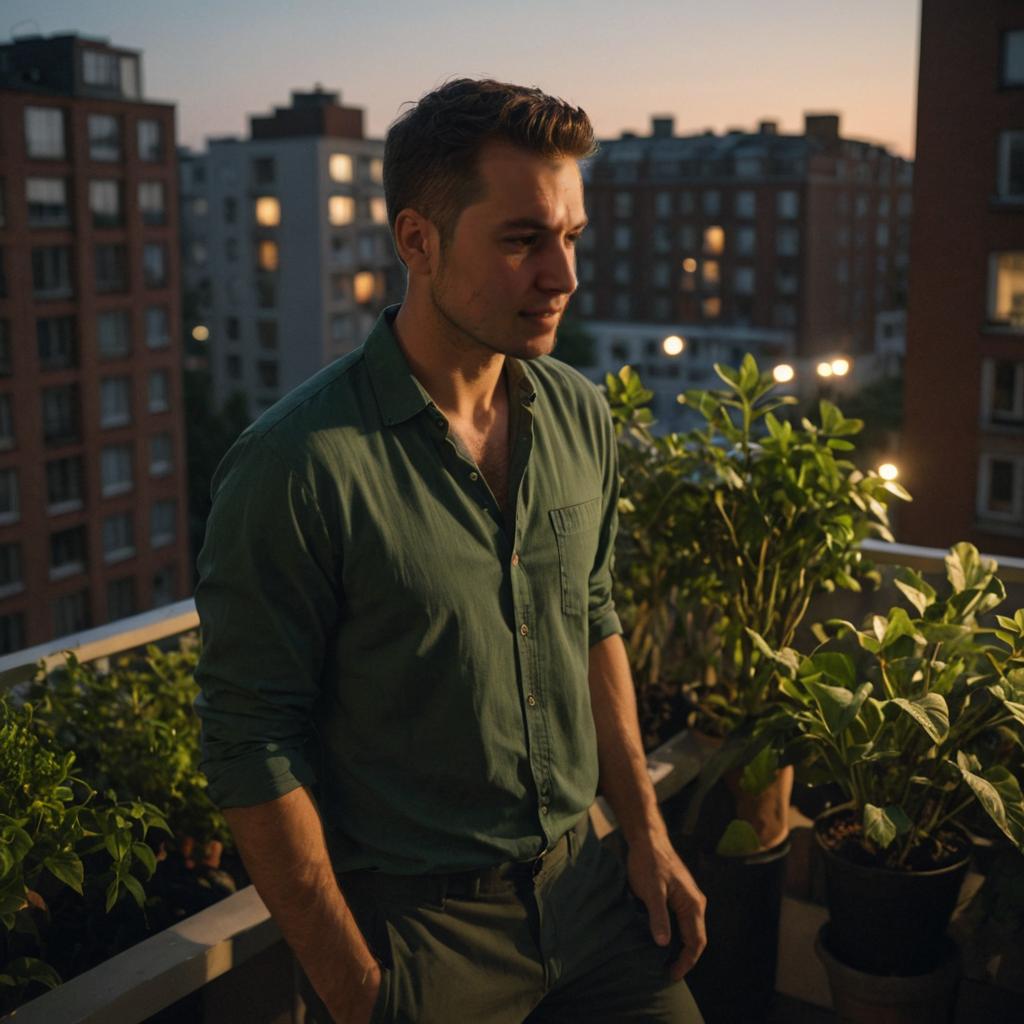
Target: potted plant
(908,717)
(734,524)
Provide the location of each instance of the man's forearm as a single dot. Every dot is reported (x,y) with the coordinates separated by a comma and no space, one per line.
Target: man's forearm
(282,845)
(625,783)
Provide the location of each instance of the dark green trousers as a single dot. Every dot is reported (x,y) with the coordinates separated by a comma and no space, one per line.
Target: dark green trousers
(561,939)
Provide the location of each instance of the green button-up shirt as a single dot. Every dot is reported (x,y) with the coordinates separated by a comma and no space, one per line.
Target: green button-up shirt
(374,626)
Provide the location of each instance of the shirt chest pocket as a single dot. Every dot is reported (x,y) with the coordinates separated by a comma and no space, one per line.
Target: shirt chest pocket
(576,529)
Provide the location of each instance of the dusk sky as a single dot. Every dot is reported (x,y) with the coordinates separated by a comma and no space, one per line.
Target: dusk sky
(710,64)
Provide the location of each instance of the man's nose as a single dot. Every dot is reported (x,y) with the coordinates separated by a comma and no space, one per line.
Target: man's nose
(558,273)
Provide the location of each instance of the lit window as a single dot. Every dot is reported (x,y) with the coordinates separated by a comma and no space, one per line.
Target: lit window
(341,210)
(1013,57)
(376,170)
(712,307)
(1006,289)
(268,211)
(1010,183)
(379,210)
(339,167)
(714,240)
(710,273)
(266,254)
(44,133)
(364,286)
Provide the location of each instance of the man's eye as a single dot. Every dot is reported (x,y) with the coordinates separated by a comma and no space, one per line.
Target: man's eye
(522,240)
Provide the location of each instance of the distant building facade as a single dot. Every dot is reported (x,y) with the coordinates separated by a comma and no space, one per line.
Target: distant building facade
(964,393)
(92,460)
(287,251)
(802,237)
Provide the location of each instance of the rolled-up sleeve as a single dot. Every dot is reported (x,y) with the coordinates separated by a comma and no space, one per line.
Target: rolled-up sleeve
(603,621)
(267,606)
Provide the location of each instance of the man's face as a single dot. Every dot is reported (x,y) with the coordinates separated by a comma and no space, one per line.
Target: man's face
(507,273)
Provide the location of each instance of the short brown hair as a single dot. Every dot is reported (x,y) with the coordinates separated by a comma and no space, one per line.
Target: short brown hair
(431,151)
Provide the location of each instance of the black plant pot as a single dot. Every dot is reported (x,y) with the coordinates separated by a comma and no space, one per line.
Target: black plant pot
(884,921)
(735,978)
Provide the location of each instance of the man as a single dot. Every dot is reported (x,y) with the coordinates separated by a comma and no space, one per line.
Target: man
(406,604)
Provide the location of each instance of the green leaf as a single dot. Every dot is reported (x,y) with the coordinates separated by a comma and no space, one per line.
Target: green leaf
(836,667)
(879,825)
(965,569)
(839,707)
(29,968)
(930,712)
(112,894)
(988,794)
(738,840)
(146,856)
(131,883)
(759,772)
(66,866)
(898,625)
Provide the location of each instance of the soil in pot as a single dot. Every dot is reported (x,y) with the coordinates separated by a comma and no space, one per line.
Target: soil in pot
(886,920)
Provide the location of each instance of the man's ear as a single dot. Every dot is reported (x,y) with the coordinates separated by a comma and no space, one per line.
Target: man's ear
(416,241)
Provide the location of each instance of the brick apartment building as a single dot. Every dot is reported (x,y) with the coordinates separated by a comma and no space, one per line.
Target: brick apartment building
(288,255)
(964,391)
(92,467)
(787,244)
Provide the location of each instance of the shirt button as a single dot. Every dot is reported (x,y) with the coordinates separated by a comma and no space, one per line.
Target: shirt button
(531,700)
(524,629)
(474,476)
(515,557)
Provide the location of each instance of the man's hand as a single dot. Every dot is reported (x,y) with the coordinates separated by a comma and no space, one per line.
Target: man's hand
(660,879)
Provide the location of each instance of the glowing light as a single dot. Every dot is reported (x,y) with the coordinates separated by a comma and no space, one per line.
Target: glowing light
(689,265)
(363,286)
(341,210)
(266,255)
(887,471)
(714,240)
(824,369)
(840,367)
(673,345)
(339,166)
(783,373)
(268,211)
(200,332)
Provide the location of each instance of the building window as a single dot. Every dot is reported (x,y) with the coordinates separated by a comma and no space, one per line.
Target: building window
(787,241)
(105,203)
(688,238)
(746,205)
(266,372)
(1010,180)
(375,170)
(232,328)
(622,237)
(199,206)
(115,402)
(341,210)
(48,205)
(159,391)
(367,287)
(71,613)
(158,334)
(714,240)
(9,505)
(60,415)
(63,485)
(662,238)
(268,211)
(161,455)
(711,202)
(621,272)
(111,268)
(114,333)
(744,280)
(118,538)
(748,166)
(154,265)
(230,210)
(56,343)
(162,524)
(116,476)
(710,272)
(11,581)
(881,235)
(786,281)
(51,272)
(266,255)
(67,552)
(151,202)
(233,365)
(784,314)
(711,308)
(120,599)
(44,133)
(339,167)
(12,633)
(263,170)
(150,140)
(1002,392)
(1013,58)
(661,274)
(378,210)
(163,587)
(5,348)
(1006,289)
(623,204)
(104,138)
(6,423)
(266,292)
(787,205)
(622,306)
(745,241)
(100,69)
(1001,488)
(266,331)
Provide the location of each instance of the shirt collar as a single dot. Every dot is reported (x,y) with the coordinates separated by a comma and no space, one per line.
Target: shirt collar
(400,396)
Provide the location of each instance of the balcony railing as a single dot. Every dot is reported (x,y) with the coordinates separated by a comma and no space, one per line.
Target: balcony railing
(231,959)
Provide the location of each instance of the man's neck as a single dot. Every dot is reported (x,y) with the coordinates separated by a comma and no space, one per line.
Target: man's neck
(459,374)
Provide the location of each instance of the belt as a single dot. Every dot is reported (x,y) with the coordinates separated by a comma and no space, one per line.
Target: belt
(494,879)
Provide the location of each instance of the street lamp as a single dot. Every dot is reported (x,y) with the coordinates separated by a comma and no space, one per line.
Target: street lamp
(783,373)
(673,345)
